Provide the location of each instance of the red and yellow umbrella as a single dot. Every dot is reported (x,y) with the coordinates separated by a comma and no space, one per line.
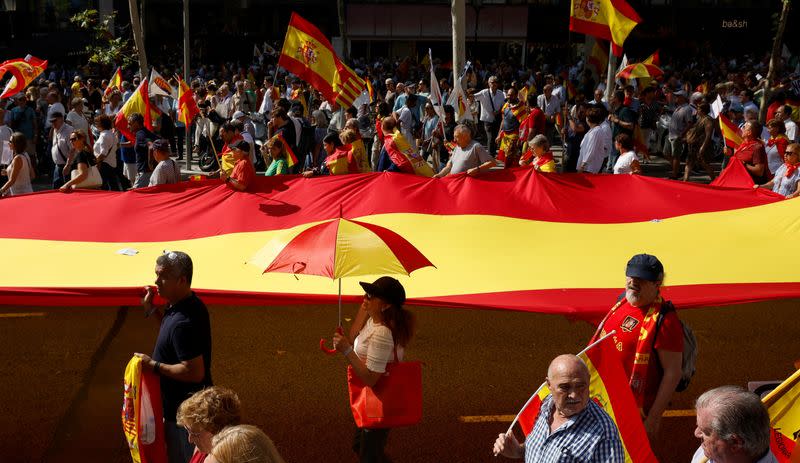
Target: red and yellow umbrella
(640,71)
(341,248)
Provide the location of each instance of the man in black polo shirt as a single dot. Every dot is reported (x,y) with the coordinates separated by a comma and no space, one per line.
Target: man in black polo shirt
(182,355)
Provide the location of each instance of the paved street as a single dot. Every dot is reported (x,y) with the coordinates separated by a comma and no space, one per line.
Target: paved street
(62,402)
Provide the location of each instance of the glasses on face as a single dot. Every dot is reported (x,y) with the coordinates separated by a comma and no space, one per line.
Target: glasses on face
(790,152)
(368,296)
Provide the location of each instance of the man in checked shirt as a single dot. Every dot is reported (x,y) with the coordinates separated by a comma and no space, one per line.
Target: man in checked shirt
(570,427)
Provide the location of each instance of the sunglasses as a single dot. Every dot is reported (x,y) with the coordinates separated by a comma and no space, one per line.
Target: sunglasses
(368,296)
(790,152)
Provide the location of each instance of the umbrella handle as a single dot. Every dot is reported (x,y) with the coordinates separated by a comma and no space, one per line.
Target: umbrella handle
(325,349)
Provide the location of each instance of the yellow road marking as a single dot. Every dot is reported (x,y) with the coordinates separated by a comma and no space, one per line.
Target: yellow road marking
(510,418)
(22,314)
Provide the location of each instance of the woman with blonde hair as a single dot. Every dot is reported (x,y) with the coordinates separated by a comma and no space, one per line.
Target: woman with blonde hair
(243,443)
(205,414)
(276,151)
(81,163)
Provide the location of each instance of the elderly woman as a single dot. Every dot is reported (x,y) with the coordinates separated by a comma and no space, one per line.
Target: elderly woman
(539,155)
(786,181)
(751,152)
(83,167)
(381,331)
(204,414)
(243,444)
(20,170)
(776,145)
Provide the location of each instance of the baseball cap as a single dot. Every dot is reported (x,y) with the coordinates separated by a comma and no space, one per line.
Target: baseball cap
(161,145)
(56,115)
(386,288)
(697,96)
(240,145)
(644,266)
(237,115)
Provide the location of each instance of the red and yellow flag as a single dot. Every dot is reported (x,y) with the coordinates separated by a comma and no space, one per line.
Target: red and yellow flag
(598,58)
(115,82)
(729,132)
(608,387)
(187,106)
(291,157)
(142,421)
(139,102)
(653,59)
(607,19)
(310,55)
(783,405)
(371,91)
(23,72)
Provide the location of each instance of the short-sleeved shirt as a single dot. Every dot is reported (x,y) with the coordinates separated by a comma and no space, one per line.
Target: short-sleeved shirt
(624,162)
(464,159)
(244,172)
(185,334)
(627,321)
(589,436)
(784,185)
(166,172)
(375,346)
(753,153)
(84,157)
(277,167)
(143,150)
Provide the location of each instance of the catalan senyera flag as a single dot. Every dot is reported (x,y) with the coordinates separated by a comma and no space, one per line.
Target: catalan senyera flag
(115,82)
(142,421)
(187,106)
(291,157)
(729,132)
(783,404)
(23,72)
(607,19)
(308,54)
(139,102)
(608,387)
(575,211)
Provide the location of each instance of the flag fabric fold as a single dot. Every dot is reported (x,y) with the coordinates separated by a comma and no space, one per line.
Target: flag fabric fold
(606,19)
(160,86)
(23,72)
(458,99)
(308,54)
(436,93)
(608,387)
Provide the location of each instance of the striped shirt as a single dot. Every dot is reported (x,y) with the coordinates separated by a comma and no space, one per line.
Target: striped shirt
(589,436)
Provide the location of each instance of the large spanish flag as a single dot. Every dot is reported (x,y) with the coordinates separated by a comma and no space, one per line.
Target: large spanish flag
(576,232)
(783,405)
(608,387)
(606,19)
(310,55)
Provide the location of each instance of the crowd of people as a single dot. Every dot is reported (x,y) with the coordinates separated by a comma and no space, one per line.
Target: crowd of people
(514,113)
(202,421)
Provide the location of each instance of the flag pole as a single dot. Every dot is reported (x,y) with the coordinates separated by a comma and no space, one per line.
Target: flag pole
(186,59)
(516,418)
(611,68)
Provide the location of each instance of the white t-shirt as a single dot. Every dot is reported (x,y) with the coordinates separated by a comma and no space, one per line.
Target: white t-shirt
(407,125)
(624,161)
(375,345)
(791,130)
(78,121)
(106,144)
(486,100)
(595,147)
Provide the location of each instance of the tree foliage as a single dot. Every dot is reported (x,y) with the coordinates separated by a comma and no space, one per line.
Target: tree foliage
(104,48)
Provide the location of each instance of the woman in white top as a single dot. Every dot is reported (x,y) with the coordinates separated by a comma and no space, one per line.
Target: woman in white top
(114,104)
(20,170)
(382,328)
(627,162)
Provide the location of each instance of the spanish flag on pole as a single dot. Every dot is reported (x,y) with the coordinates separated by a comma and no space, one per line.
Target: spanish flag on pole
(187,107)
(606,19)
(783,404)
(608,387)
(139,102)
(310,55)
(729,132)
(115,82)
(23,72)
(291,158)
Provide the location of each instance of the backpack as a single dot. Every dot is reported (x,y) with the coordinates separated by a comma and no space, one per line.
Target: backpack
(689,347)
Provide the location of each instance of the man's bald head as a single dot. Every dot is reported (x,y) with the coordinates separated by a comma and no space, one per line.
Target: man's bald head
(568,381)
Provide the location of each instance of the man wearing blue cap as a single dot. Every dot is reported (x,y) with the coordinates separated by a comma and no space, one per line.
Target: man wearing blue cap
(651,350)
